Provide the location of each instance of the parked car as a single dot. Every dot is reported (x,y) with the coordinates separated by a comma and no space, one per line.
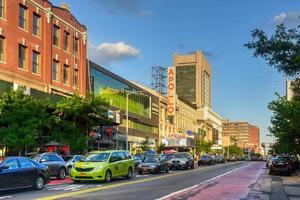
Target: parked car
(219,159)
(22,172)
(169,156)
(57,166)
(280,164)
(103,166)
(231,159)
(72,160)
(254,158)
(291,161)
(137,161)
(269,161)
(153,165)
(206,160)
(181,160)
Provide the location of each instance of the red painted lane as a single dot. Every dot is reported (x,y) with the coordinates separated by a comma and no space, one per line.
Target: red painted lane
(58,182)
(234,185)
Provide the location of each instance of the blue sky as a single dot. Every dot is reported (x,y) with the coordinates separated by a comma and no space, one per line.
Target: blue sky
(130,36)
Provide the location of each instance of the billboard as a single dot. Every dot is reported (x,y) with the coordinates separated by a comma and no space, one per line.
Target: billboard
(171,105)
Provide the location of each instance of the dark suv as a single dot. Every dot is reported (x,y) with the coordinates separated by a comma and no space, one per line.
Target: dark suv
(181,161)
(57,166)
(206,160)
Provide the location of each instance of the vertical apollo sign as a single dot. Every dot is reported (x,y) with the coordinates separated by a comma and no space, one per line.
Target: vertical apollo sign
(171,92)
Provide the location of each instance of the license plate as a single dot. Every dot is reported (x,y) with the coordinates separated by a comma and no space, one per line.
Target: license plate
(82,174)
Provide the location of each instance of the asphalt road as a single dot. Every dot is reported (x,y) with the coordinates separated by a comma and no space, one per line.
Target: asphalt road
(141,187)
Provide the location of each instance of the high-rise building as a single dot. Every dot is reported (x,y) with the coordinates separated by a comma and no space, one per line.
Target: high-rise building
(193,78)
(193,83)
(42,48)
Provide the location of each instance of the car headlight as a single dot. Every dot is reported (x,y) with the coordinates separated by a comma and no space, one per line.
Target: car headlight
(153,165)
(182,162)
(139,166)
(98,167)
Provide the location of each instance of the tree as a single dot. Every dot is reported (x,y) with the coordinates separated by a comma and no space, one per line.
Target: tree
(282,51)
(203,146)
(74,117)
(21,117)
(286,125)
(234,150)
(145,145)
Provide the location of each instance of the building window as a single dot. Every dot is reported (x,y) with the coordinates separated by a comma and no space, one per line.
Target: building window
(22,56)
(76,78)
(2,8)
(66,41)
(36,24)
(55,35)
(2,49)
(36,62)
(55,70)
(76,41)
(66,74)
(22,17)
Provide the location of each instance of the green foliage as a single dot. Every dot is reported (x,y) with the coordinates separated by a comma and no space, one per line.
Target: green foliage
(160,148)
(145,145)
(21,116)
(282,51)
(73,117)
(286,124)
(203,146)
(234,150)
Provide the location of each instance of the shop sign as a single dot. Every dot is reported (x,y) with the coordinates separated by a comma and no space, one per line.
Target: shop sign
(171,106)
(175,142)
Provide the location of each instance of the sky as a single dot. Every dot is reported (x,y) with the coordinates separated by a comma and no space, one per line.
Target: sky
(128,37)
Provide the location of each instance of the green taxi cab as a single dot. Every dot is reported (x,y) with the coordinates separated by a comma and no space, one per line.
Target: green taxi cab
(103,166)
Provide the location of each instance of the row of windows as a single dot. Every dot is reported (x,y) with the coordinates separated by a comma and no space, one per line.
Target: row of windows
(36,30)
(66,73)
(140,127)
(36,64)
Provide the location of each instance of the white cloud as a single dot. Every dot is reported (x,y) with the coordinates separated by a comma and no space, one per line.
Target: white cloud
(290,19)
(106,53)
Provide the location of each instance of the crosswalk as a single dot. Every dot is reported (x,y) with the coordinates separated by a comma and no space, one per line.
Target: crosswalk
(71,187)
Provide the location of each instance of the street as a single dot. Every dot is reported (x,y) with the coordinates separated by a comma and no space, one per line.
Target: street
(227,181)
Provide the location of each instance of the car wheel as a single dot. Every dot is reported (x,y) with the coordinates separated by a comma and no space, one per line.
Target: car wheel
(39,183)
(193,165)
(167,170)
(270,172)
(69,169)
(129,174)
(61,174)
(107,176)
(158,170)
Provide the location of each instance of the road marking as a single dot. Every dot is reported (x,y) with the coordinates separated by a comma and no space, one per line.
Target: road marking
(138,176)
(5,197)
(88,190)
(65,188)
(185,189)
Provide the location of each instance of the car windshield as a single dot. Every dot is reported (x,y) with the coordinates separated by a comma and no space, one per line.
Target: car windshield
(96,157)
(36,157)
(169,156)
(180,156)
(152,160)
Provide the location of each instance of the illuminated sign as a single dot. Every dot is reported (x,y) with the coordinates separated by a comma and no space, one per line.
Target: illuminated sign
(171,106)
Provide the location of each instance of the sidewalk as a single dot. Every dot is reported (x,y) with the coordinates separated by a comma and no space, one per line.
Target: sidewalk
(276,187)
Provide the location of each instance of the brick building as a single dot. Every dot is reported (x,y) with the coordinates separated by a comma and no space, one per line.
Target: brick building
(42,48)
(254,136)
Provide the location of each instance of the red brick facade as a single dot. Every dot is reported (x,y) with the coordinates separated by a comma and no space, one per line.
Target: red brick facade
(254,136)
(42,45)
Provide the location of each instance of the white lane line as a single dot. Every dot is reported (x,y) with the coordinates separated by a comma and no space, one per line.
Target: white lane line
(185,189)
(5,197)
(74,187)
